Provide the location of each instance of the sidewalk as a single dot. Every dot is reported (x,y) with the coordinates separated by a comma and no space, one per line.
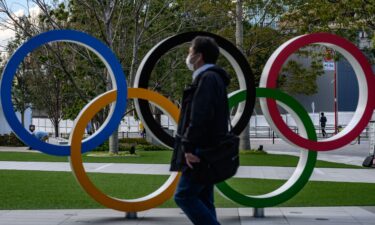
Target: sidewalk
(173,216)
(261,172)
(344,159)
(351,154)
(13,149)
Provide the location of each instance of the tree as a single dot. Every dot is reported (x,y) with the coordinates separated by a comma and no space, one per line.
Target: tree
(143,24)
(104,14)
(69,84)
(342,17)
(47,84)
(20,93)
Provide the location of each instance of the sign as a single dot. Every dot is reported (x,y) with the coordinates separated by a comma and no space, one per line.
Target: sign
(328,61)
(329,65)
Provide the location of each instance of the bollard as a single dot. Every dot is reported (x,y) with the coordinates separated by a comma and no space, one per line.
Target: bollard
(131,215)
(258,212)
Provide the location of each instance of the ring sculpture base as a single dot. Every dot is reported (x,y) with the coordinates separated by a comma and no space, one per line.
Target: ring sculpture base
(258,212)
(131,215)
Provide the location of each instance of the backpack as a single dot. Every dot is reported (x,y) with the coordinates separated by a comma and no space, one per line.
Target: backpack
(219,162)
(368,162)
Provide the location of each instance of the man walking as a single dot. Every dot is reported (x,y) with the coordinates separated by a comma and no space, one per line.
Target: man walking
(323,121)
(203,122)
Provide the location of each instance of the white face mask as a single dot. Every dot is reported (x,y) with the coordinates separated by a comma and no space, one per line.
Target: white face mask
(189,64)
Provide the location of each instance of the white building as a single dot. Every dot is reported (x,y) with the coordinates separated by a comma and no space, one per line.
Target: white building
(4,126)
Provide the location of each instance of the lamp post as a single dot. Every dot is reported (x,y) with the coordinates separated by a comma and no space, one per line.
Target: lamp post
(331,65)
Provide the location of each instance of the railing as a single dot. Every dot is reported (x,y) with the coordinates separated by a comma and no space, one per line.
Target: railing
(255,132)
(268,133)
(121,135)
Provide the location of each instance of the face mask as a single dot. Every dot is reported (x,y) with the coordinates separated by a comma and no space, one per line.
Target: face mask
(189,64)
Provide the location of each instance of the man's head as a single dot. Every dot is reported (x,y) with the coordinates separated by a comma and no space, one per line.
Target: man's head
(203,50)
(32,128)
(322,113)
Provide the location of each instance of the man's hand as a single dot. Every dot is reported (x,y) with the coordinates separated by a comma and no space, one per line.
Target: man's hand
(190,158)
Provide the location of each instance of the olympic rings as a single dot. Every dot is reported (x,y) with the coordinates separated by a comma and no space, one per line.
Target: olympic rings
(305,165)
(246,93)
(159,196)
(234,56)
(103,52)
(363,71)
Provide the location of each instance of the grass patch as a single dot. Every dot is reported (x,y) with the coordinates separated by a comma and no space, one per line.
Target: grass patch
(163,157)
(157,157)
(59,190)
(111,155)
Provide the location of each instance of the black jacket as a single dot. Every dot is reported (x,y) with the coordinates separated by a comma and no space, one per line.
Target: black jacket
(204,115)
(323,121)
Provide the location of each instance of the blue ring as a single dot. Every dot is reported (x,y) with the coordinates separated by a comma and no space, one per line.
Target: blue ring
(69,36)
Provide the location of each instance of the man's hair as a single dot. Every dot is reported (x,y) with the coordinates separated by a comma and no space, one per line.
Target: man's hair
(207,47)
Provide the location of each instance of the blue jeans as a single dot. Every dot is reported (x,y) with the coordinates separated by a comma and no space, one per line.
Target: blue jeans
(196,200)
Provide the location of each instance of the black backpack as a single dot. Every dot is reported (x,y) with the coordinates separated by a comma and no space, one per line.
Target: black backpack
(217,163)
(368,161)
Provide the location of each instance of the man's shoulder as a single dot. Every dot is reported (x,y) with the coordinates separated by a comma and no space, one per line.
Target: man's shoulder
(206,76)
(211,75)
(214,75)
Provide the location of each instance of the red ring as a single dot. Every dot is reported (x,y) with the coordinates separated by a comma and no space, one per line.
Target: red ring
(275,68)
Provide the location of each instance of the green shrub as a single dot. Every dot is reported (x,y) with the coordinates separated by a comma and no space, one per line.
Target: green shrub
(138,141)
(103,147)
(253,151)
(122,147)
(127,143)
(151,148)
(10,140)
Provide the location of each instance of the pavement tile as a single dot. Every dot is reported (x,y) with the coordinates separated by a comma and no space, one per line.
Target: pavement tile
(260,172)
(162,216)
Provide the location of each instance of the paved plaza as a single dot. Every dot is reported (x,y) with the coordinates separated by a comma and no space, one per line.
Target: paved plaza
(173,216)
(260,172)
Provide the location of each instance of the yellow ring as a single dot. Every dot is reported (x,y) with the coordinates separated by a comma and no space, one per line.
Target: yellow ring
(152,200)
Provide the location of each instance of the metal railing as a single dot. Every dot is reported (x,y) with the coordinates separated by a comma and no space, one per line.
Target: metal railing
(259,132)
(267,133)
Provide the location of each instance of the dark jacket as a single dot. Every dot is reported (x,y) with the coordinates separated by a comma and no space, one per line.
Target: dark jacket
(204,115)
(323,121)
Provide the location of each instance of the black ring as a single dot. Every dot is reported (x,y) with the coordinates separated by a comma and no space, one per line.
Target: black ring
(153,56)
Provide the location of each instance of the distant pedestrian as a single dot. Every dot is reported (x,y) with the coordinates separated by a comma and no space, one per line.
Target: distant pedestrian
(32,128)
(144,133)
(41,135)
(142,130)
(323,122)
(89,128)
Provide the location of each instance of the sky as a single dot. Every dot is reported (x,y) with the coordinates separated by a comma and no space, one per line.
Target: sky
(19,8)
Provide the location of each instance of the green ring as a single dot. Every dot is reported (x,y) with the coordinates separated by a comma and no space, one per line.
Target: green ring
(305,165)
